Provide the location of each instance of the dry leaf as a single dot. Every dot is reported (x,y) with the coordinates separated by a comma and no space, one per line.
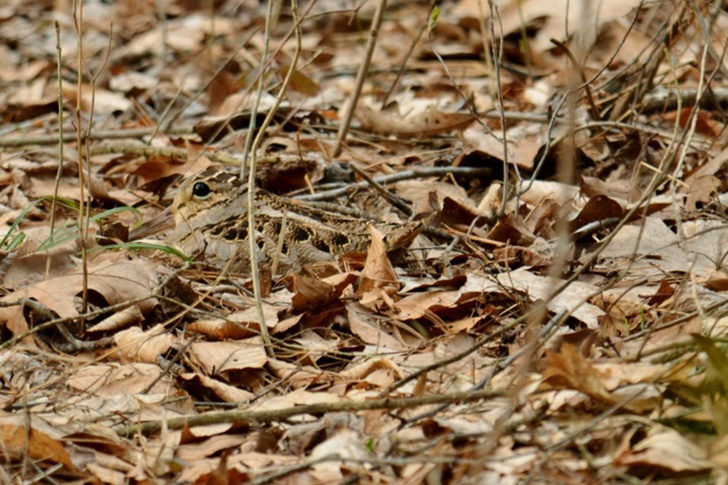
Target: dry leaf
(138,345)
(427,123)
(36,440)
(568,369)
(378,271)
(217,358)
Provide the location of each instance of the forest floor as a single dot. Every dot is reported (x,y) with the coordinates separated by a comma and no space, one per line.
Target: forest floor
(559,319)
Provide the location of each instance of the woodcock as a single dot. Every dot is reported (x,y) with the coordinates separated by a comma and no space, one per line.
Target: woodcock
(211,216)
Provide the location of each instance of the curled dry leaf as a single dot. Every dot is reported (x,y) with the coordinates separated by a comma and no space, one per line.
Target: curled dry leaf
(196,383)
(456,212)
(217,470)
(378,272)
(540,190)
(625,189)
(345,443)
(238,325)
(122,319)
(427,123)
(666,449)
(313,347)
(378,371)
(300,438)
(311,293)
(418,305)
(568,369)
(198,450)
(598,208)
(428,197)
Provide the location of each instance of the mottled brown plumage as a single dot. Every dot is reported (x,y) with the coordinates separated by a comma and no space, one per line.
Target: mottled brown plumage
(211,215)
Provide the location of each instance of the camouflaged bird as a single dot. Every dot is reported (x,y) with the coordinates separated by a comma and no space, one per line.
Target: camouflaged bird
(211,216)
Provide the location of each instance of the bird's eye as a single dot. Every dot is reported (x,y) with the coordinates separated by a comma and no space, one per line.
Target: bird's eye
(201,190)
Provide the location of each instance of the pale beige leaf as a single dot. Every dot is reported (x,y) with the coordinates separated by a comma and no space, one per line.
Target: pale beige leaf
(140,345)
(574,299)
(219,357)
(369,328)
(224,391)
(109,381)
(667,449)
(192,452)
(429,122)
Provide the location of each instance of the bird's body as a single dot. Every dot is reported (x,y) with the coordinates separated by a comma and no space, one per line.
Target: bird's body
(211,215)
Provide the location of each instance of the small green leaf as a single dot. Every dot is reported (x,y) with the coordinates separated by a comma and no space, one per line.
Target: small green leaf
(136,246)
(107,213)
(370,444)
(17,222)
(17,241)
(434,14)
(717,359)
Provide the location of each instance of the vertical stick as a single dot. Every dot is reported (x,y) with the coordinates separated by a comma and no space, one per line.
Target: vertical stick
(82,181)
(60,144)
(255,275)
(360,76)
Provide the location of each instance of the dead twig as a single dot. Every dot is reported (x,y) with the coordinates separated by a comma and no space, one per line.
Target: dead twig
(390,197)
(360,76)
(273,415)
(59,171)
(255,275)
(584,82)
(407,55)
(397,177)
(17,142)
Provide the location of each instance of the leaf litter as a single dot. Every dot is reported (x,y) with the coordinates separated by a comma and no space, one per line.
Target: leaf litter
(122,361)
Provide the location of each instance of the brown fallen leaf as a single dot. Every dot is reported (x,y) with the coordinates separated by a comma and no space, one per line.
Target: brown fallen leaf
(114,278)
(36,440)
(370,329)
(378,272)
(196,383)
(310,293)
(598,208)
(102,100)
(109,381)
(569,369)
(574,298)
(222,475)
(418,305)
(237,325)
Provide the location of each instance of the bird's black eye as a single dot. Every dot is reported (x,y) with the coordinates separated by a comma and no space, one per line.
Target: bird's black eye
(201,190)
